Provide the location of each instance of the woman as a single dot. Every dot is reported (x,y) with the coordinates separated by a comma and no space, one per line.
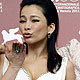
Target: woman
(38,60)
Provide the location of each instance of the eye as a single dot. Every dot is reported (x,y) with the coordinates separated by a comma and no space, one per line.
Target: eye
(22,21)
(35,20)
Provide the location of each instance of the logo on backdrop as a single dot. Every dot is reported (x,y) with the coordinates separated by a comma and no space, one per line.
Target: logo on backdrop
(65,0)
(63,6)
(1,7)
(11,35)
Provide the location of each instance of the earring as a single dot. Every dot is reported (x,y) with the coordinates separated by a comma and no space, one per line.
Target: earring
(49,35)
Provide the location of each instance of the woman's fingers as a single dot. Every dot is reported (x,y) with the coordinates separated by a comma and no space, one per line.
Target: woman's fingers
(18,48)
(16,53)
(2,49)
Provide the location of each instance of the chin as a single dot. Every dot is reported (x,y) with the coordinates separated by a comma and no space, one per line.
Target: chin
(34,42)
(29,42)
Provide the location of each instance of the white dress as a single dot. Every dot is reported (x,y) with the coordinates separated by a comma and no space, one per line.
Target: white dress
(23,75)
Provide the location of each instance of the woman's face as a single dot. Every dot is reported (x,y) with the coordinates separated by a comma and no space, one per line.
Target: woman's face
(33,24)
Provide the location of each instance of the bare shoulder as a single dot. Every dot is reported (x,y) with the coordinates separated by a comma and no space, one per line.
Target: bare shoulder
(70,75)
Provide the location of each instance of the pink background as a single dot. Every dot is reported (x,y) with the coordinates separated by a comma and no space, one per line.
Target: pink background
(69,22)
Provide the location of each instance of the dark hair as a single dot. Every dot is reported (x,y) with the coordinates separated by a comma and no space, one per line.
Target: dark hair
(50,12)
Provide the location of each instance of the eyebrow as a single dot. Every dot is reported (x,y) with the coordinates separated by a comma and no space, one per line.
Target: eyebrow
(22,16)
(34,16)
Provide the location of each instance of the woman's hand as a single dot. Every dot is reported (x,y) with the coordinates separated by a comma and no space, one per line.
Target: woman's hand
(15,54)
(2,49)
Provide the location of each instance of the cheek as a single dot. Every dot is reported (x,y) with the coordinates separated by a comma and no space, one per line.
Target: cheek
(41,29)
(21,28)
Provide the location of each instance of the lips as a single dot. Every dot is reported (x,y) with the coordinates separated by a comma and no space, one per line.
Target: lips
(27,35)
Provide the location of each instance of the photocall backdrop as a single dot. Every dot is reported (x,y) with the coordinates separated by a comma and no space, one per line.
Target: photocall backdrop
(69,17)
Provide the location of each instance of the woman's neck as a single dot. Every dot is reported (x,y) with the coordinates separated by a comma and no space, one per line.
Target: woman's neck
(37,50)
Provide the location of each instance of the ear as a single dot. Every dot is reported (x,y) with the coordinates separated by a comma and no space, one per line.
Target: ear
(51,28)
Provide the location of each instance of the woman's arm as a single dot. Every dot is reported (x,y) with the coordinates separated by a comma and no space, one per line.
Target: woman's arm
(15,60)
(70,75)
(10,73)
(1,64)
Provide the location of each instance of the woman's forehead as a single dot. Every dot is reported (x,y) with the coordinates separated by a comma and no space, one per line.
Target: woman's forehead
(32,10)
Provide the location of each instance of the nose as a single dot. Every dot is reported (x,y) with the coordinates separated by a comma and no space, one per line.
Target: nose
(27,27)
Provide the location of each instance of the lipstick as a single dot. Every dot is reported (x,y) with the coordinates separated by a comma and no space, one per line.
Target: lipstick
(27,35)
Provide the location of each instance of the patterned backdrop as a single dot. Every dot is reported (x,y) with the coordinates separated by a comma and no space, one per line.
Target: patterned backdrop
(69,16)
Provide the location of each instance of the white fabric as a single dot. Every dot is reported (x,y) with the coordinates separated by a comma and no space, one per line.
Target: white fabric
(23,75)
(72,51)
